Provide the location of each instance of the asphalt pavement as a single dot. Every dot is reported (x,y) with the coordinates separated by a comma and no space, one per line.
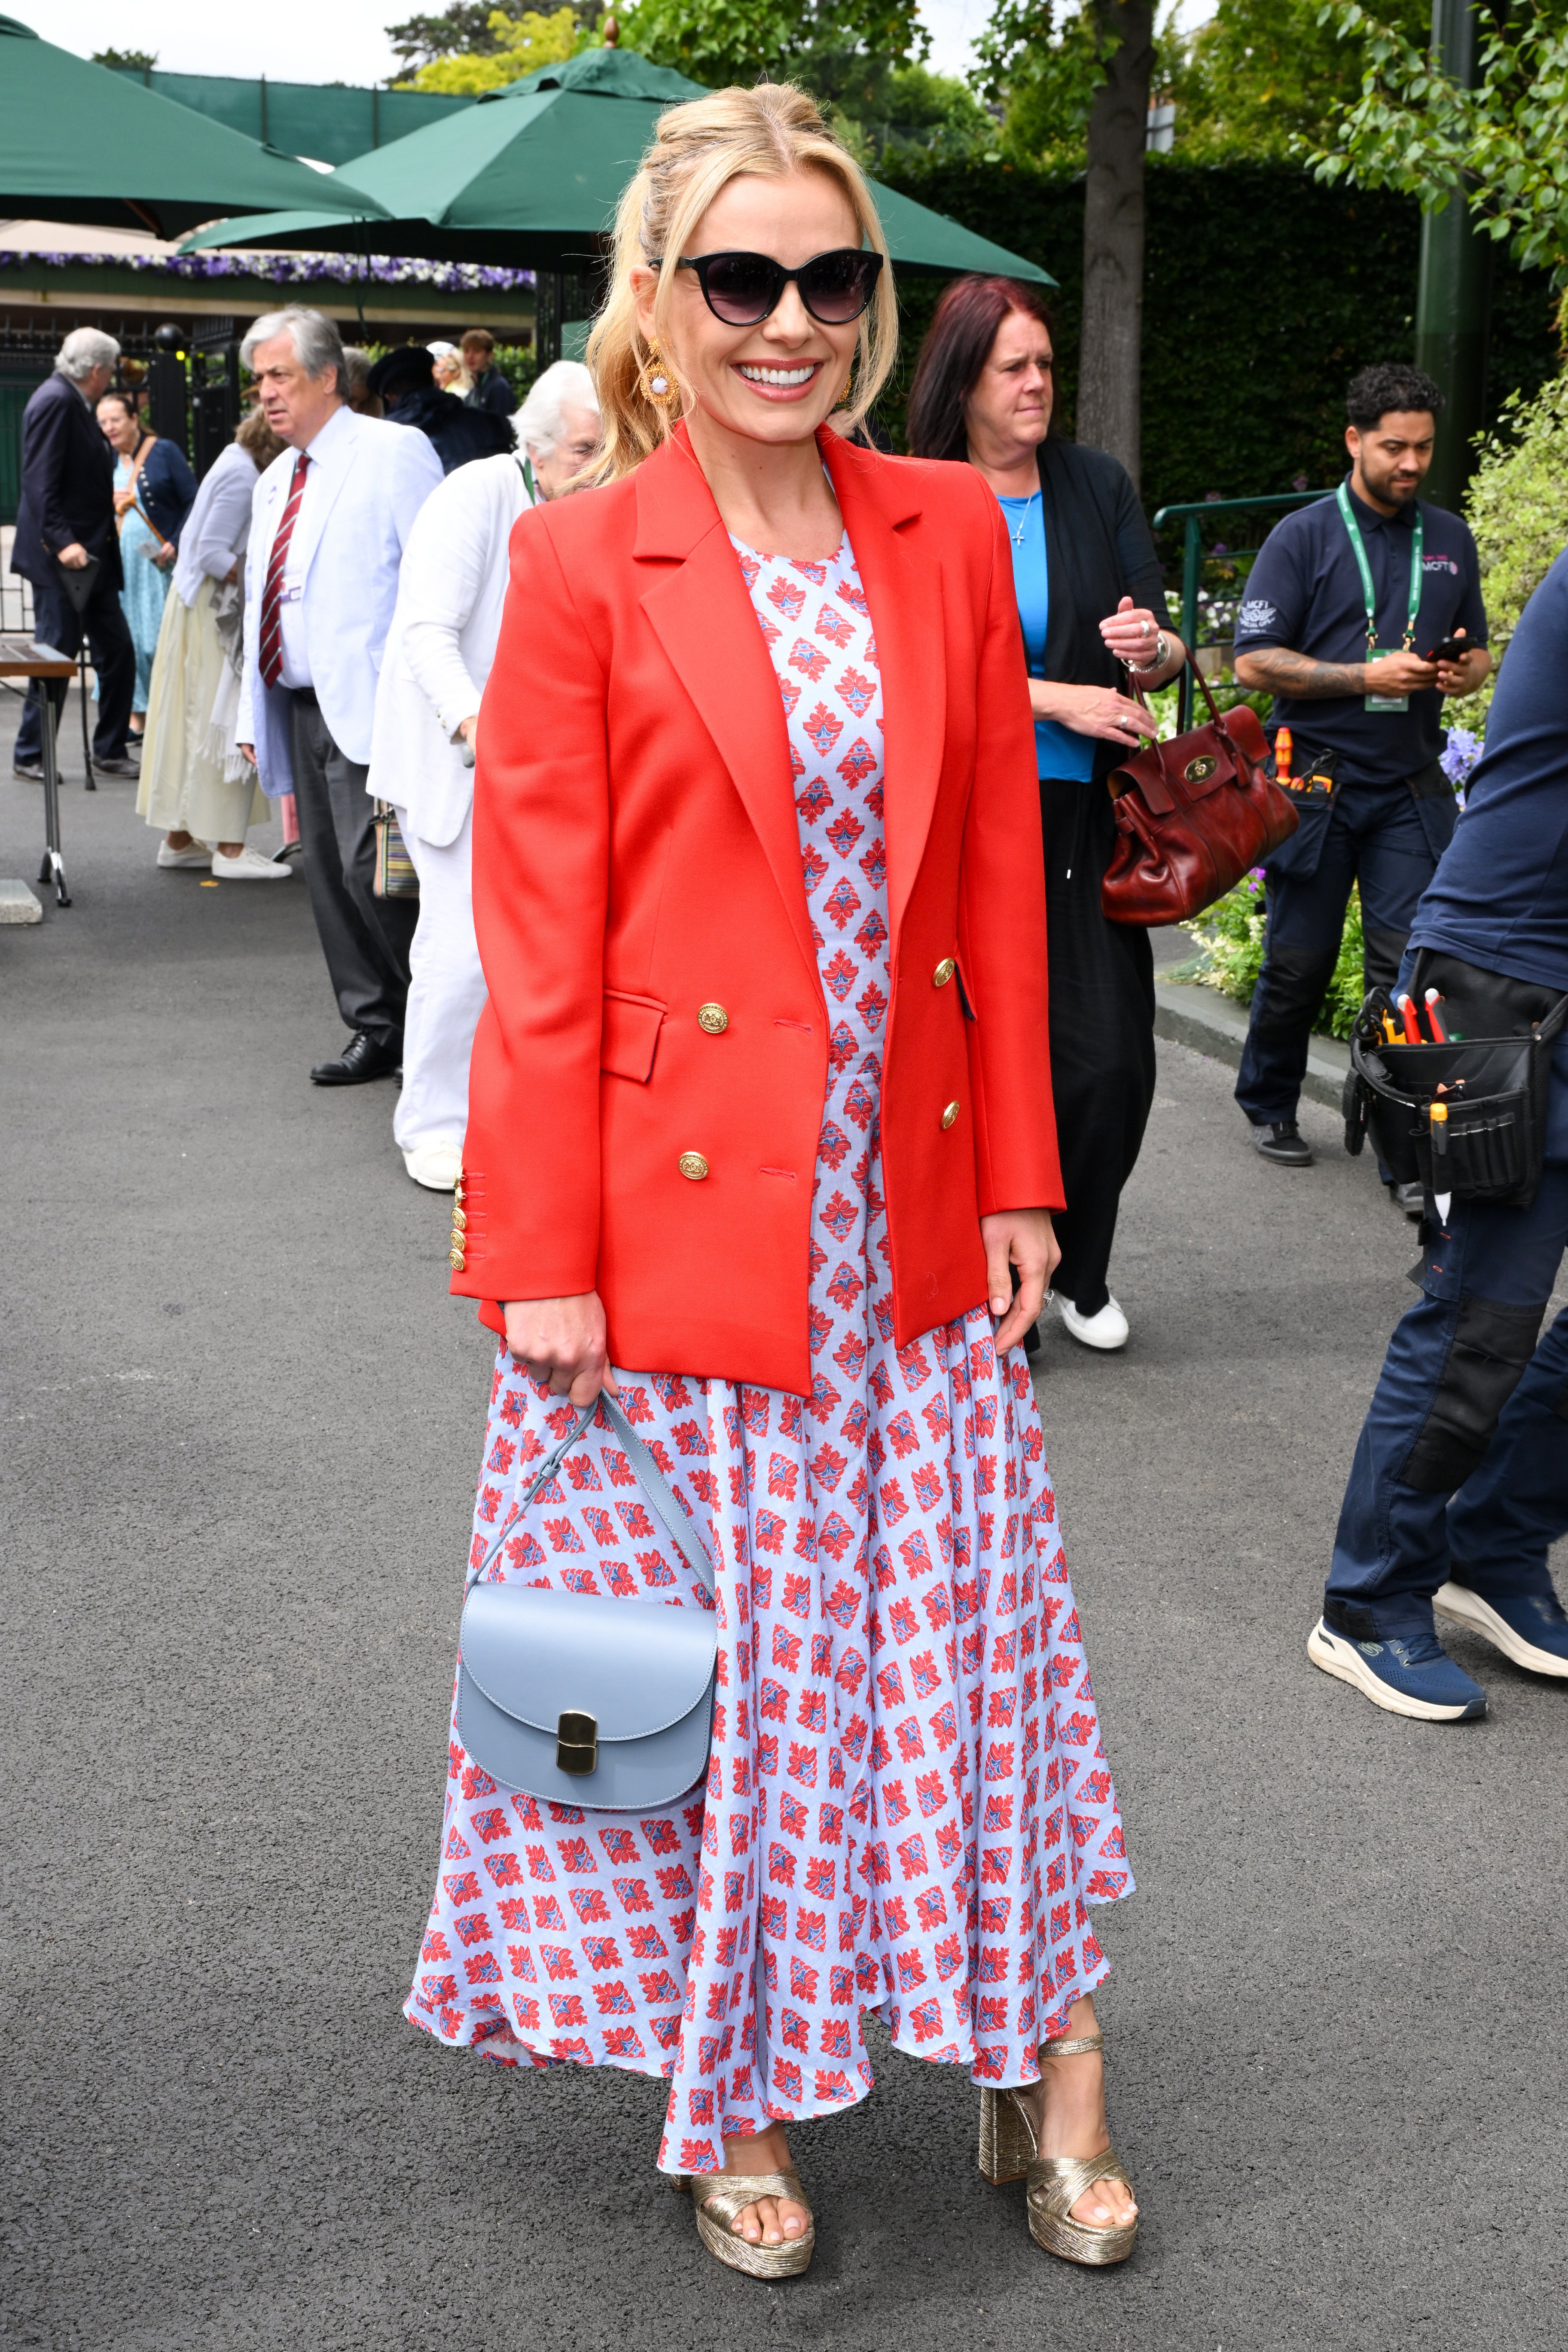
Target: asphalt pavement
(241,1419)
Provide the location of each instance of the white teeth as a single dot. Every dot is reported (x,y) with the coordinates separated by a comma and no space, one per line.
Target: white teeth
(778,375)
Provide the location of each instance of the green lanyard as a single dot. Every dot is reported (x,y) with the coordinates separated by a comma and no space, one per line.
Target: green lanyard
(528,481)
(1369,595)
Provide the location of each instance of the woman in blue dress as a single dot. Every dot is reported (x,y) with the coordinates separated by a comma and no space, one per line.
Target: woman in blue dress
(155,490)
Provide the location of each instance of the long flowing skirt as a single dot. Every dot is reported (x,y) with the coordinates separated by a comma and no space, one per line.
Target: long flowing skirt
(908,1806)
(185,787)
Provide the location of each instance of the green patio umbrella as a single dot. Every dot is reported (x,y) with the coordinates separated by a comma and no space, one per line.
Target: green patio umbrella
(530,176)
(77,143)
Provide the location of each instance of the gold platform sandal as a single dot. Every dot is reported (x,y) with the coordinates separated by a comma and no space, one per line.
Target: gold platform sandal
(720,2197)
(1008,2152)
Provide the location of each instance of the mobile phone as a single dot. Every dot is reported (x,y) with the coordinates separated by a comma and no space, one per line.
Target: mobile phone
(1450,649)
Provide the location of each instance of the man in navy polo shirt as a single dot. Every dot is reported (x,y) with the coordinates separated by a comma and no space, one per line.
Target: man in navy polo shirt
(1460,1486)
(1345,602)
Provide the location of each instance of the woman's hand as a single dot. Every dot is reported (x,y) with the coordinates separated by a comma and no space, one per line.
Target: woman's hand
(563,1341)
(1021,1238)
(1092,711)
(1133,633)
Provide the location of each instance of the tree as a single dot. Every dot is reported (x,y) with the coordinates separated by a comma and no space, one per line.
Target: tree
(892,115)
(1093,68)
(830,45)
(1262,76)
(140,61)
(515,46)
(1499,147)
(462,30)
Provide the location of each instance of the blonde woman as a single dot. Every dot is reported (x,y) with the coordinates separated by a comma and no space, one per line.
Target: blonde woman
(757,891)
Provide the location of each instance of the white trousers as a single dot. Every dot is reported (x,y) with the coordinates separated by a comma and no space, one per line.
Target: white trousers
(446,994)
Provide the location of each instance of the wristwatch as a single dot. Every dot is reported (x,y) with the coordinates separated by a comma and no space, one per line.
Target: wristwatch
(1161,656)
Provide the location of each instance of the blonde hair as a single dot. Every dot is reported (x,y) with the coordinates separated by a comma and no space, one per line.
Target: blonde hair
(773,131)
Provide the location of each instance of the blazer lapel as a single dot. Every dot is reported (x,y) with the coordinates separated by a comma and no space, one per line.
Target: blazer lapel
(318,504)
(704,618)
(879,499)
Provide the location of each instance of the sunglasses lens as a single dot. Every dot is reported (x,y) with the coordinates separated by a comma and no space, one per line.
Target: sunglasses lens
(741,287)
(836,287)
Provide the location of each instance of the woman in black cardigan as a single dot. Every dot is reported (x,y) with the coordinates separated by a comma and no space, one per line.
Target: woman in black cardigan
(1092,605)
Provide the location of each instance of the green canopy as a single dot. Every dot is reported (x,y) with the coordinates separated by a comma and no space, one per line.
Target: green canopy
(530,176)
(77,143)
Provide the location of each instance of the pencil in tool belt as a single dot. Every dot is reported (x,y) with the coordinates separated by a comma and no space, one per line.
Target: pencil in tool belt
(1438,1127)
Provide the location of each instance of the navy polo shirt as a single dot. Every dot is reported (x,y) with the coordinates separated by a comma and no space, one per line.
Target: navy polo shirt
(1500,897)
(1305,593)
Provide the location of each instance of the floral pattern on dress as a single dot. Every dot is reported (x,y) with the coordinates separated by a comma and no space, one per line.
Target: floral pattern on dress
(908,1806)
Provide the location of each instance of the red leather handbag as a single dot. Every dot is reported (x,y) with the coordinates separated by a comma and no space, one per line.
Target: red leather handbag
(1193,816)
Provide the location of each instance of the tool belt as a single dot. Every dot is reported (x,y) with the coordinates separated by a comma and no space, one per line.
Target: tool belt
(1493,1075)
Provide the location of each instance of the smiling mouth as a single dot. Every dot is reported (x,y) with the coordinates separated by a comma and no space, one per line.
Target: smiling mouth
(779,378)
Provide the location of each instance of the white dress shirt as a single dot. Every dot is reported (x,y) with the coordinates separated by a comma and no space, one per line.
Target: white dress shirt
(329,452)
(219,523)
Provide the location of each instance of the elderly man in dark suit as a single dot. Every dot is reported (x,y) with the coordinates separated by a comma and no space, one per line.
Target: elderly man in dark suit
(65,518)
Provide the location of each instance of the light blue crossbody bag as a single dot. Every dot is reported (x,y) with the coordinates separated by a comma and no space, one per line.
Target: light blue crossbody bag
(582,1699)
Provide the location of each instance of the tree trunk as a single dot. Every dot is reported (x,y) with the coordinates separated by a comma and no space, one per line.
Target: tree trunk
(1108,383)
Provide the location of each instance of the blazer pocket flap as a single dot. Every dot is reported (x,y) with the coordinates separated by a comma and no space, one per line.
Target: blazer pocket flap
(630,1034)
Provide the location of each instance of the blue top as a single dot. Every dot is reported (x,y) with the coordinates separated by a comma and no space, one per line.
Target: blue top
(1305,593)
(1057,750)
(1500,897)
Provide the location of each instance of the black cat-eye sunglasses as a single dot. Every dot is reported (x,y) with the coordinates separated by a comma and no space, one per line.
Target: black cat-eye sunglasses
(743,289)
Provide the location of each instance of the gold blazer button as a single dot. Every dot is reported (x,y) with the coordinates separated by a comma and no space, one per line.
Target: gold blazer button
(943,973)
(455,1260)
(713,1019)
(693,1164)
(949,1115)
(460,1222)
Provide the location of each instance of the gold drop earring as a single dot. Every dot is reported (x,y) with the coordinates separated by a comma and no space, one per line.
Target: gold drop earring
(655,380)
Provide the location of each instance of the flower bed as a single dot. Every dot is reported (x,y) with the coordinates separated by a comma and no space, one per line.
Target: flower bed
(290,269)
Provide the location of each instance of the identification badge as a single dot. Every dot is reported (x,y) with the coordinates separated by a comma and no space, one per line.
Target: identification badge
(1388,702)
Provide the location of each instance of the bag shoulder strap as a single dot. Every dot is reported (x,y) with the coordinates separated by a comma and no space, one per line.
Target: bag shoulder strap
(689,1535)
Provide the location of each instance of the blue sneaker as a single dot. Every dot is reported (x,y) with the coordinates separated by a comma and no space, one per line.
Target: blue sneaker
(1530,1628)
(1408,1673)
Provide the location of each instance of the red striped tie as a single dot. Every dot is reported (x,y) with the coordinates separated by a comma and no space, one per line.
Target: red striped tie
(271,652)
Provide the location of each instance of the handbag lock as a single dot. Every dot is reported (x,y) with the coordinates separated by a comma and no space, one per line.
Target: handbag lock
(576,1743)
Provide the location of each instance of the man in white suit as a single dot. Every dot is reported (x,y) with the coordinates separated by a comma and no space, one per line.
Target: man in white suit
(438,655)
(330,520)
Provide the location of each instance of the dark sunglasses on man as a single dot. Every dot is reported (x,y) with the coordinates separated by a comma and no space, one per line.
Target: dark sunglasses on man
(743,289)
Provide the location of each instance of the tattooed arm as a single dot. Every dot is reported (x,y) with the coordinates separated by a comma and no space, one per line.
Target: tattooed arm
(1275,669)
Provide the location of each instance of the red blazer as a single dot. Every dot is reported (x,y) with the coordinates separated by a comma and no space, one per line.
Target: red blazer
(637,863)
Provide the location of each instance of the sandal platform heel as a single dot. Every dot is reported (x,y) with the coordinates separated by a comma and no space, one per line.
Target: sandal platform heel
(1008,2151)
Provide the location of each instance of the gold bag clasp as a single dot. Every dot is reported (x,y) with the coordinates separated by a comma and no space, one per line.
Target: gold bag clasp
(576,1743)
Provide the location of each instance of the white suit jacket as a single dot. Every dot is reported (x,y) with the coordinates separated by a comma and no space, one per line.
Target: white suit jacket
(349,537)
(441,643)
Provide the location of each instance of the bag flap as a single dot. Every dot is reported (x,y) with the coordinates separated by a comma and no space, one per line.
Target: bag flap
(1245,729)
(636,1667)
(630,1034)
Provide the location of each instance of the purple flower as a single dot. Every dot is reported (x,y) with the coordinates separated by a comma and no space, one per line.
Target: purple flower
(293,268)
(1460,753)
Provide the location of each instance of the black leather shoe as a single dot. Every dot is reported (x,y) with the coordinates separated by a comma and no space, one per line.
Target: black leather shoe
(1410,1199)
(364,1057)
(1282,1141)
(28,771)
(122,766)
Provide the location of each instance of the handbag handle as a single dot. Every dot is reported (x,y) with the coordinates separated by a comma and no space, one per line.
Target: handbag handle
(1135,682)
(657,1493)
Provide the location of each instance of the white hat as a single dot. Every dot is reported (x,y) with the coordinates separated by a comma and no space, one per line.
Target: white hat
(443,350)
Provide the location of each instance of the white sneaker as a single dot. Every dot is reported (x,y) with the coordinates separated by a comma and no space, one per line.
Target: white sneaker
(249,866)
(1107,1329)
(198,854)
(437,1166)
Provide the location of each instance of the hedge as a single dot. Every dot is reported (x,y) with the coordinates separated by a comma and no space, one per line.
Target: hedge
(1264,293)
